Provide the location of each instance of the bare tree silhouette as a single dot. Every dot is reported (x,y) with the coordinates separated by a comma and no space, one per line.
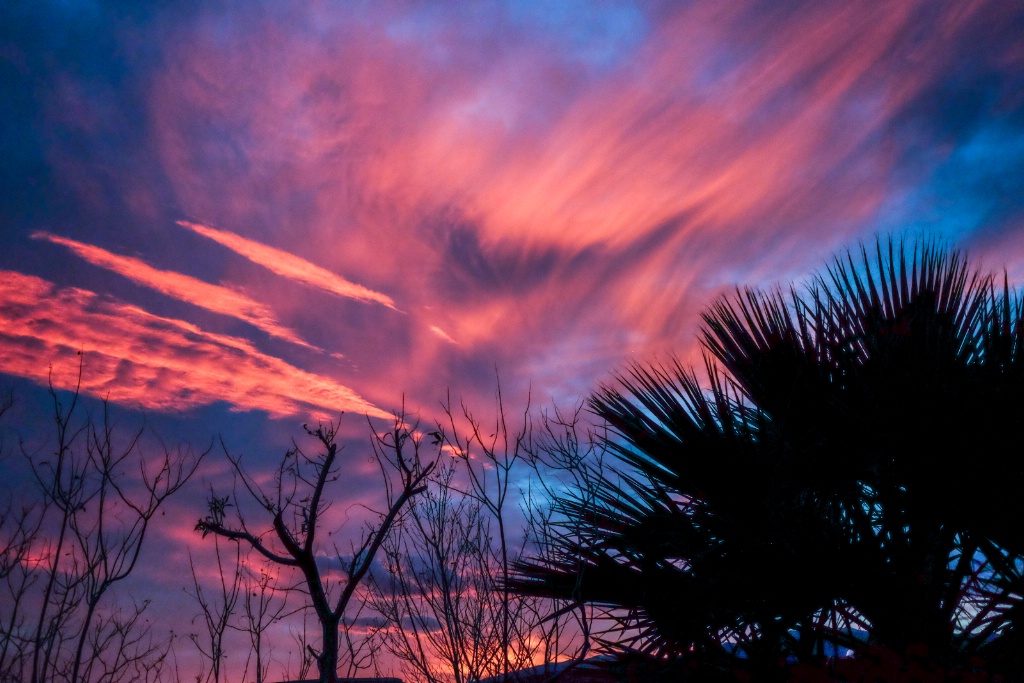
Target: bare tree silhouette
(216,610)
(263,604)
(449,615)
(71,539)
(296,506)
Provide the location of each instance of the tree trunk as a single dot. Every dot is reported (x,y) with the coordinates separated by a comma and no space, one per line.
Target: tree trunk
(327,662)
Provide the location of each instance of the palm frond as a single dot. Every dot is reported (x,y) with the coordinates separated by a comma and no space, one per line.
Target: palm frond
(817,473)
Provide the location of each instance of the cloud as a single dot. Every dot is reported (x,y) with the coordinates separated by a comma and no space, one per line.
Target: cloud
(724,139)
(290,266)
(213,298)
(136,358)
(555,207)
(559,191)
(442,334)
(731,133)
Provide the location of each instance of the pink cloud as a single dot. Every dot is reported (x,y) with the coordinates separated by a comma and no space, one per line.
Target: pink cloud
(605,206)
(646,145)
(213,298)
(290,266)
(442,334)
(140,359)
(530,213)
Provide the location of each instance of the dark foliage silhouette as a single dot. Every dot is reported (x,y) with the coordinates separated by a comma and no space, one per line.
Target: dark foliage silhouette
(842,476)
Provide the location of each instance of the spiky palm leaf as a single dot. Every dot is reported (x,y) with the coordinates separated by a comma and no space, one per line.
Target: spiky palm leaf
(820,472)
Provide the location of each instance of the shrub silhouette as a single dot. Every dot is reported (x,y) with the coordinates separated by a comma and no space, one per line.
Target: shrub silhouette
(844,475)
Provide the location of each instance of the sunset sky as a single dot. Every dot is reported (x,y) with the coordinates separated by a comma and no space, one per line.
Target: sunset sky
(250,215)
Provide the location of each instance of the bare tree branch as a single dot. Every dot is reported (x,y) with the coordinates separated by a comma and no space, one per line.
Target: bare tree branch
(297,506)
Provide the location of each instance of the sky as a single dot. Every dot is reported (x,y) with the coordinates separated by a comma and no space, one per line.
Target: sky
(250,215)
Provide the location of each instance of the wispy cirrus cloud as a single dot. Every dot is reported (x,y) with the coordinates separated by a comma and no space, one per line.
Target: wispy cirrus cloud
(290,266)
(554,213)
(730,144)
(442,334)
(137,358)
(215,298)
(559,191)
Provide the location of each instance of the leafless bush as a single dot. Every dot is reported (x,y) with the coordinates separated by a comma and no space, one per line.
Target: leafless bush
(449,614)
(70,539)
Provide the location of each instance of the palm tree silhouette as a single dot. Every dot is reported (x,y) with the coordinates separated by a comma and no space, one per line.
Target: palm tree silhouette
(846,464)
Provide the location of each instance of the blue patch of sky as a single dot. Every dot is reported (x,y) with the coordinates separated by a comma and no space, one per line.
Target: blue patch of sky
(972,190)
(598,35)
(589,38)
(77,9)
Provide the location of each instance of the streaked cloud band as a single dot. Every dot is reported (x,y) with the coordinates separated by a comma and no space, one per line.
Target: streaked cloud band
(137,358)
(215,298)
(289,266)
